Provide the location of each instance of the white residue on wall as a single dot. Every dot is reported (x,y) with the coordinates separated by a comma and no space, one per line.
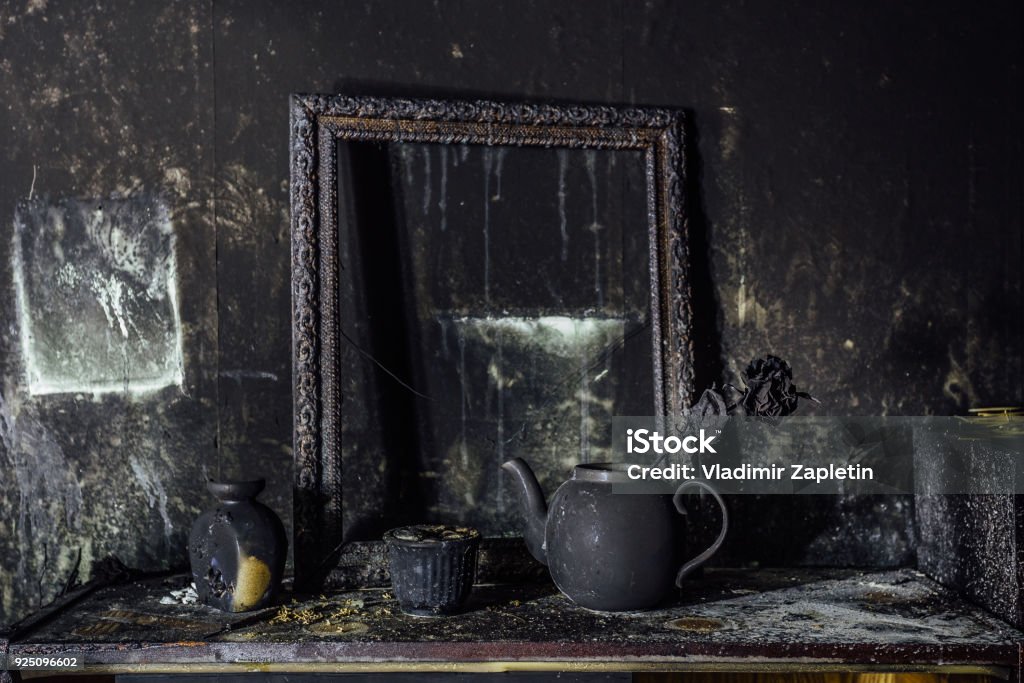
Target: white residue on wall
(463,397)
(153,487)
(119,243)
(426,180)
(590,160)
(488,154)
(111,294)
(558,335)
(563,165)
(493,162)
(77,264)
(496,370)
(584,394)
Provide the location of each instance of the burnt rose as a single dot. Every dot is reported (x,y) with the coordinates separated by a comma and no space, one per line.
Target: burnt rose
(769,391)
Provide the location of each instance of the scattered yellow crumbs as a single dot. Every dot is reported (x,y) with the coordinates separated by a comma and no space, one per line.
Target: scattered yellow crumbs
(312,614)
(290,615)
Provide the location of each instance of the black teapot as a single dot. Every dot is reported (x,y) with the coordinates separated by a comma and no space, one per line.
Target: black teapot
(608,550)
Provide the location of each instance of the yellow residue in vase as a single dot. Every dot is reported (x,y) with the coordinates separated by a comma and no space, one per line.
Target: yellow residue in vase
(253,582)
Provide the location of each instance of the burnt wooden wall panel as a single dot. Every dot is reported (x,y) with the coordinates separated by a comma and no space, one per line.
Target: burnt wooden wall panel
(267,50)
(840,160)
(856,192)
(103,100)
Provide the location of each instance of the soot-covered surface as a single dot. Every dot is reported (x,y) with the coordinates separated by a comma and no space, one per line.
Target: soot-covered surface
(972,543)
(795,617)
(855,209)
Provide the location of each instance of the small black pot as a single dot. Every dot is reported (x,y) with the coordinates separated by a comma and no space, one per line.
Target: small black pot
(432,567)
(237,549)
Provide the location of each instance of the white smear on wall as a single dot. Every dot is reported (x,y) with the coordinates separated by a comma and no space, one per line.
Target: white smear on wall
(566,355)
(590,161)
(153,487)
(463,396)
(499,164)
(96,292)
(442,200)
(496,376)
(493,162)
(406,152)
(443,325)
(110,293)
(240,375)
(488,156)
(748,309)
(557,335)
(584,401)
(119,243)
(563,165)
(426,180)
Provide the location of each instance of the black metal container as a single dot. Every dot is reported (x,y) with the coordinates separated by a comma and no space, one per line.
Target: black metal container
(608,550)
(432,567)
(237,549)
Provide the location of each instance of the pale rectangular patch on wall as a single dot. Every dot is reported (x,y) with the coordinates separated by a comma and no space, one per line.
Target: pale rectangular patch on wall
(96,282)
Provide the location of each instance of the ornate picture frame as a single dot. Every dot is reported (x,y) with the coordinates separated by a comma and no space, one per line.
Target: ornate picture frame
(317,124)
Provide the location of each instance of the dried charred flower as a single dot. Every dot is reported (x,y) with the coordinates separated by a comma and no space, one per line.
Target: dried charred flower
(769,390)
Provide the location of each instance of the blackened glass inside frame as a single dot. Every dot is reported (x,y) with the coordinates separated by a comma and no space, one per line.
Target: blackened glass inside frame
(495,302)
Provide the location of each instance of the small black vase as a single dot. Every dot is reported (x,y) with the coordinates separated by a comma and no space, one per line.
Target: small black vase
(237,549)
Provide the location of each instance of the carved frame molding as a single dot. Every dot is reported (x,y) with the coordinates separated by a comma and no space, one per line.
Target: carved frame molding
(317,123)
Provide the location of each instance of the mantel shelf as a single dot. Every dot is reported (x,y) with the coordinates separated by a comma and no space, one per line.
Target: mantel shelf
(727,620)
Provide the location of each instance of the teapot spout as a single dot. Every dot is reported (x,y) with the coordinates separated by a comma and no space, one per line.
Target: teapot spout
(532,506)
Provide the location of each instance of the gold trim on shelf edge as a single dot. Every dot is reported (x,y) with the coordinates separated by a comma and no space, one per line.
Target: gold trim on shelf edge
(551,665)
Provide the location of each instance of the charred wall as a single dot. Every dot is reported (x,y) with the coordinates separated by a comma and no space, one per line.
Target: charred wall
(855,200)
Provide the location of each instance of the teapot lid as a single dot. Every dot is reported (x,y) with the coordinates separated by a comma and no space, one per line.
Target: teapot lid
(236,490)
(609,472)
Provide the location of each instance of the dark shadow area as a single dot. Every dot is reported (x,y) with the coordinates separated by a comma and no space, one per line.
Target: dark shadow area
(709,365)
(496,597)
(389,345)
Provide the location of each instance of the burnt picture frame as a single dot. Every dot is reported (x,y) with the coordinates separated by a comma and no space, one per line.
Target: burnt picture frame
(318,123)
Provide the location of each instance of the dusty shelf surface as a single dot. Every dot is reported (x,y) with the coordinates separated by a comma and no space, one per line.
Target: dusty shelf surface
(795,619)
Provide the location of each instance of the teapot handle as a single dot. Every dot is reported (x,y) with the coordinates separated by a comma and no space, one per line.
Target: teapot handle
(677,500)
